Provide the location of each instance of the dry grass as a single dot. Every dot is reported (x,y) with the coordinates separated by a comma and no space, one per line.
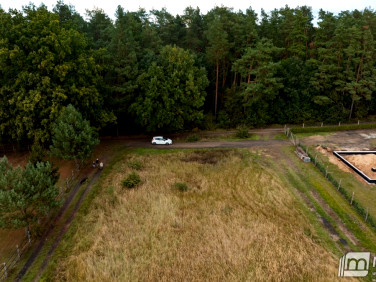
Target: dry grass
(235,222)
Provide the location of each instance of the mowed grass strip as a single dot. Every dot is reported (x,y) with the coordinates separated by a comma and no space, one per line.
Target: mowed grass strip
(235,221)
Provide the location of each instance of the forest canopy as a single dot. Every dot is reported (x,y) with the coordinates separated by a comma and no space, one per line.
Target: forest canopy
(150,71)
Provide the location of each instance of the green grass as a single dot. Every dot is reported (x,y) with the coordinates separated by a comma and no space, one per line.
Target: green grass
(280,136)
(252,136)
(296,130)
(364,194)
(314,179)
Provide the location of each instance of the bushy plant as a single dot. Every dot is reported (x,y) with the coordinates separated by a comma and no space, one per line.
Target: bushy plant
(193,138)
(182,187)
(37,153)
(137,165)
(132,180)
(242,131)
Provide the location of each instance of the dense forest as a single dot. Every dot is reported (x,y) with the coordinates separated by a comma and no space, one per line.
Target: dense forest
(153,71)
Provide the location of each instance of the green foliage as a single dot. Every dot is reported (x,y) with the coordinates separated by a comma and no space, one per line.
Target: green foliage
(73,138)
(37,153)
(242,131)
(43,67)
(26,194)
(333,128)
(131,181)
(172,92)
(137,165)
(193,138)
(181,187)
(274,69)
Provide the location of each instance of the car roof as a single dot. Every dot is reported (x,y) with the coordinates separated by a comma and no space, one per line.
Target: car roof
(158,137)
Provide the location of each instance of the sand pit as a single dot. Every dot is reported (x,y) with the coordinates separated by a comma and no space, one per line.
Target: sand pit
(338,162)
(364,162)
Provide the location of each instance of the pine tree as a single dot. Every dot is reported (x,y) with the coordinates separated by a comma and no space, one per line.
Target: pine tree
(73,138)
(26,194)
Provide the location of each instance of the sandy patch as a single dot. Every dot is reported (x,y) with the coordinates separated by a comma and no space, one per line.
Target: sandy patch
(364,163)
(334,160)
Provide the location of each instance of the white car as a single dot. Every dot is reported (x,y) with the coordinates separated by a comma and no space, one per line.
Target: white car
(160,140)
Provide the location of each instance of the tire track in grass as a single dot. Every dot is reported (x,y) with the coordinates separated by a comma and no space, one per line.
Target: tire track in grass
(54,225)
(329,219)
(67,224)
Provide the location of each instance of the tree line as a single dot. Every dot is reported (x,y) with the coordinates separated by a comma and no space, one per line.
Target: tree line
(153,71)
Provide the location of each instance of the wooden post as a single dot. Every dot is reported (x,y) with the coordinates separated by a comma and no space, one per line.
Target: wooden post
(29,237)
(358,122)
(326,172)
(18,252)
(339,184)
(316,159)
(339,124)
(322,124)
(5,271)
(366,215)
(352,198)
(303,124)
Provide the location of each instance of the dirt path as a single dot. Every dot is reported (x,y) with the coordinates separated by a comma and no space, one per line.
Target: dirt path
(54,225)
(210,144)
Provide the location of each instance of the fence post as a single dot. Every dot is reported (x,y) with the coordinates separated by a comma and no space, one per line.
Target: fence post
(316,159)
(358,122)
(352,198)
(366,215)
(303,124)
(5,271)
(339,184)
(29,237)
(326,172)
(339,124)
(18,252)
(322,124)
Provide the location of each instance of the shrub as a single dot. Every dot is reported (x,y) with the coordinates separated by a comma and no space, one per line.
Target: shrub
(242,131)
(192,138)
(37,153)
(137,165)
(182,187)
(132,180)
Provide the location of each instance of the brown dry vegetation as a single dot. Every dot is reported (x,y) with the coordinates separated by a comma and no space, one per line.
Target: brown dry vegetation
(235,222)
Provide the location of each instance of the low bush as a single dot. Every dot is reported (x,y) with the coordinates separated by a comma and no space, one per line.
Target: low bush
(242,131)
(137,165)
(182,187)
(132,180)
(193,138)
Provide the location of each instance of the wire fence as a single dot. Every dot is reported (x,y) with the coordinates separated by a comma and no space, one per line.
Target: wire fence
(337,184)
(15,256)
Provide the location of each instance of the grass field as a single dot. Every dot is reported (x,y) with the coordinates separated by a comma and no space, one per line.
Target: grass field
(237,221)
(364,193)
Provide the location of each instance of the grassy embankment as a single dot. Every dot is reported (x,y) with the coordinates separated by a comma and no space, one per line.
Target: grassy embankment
(236,221)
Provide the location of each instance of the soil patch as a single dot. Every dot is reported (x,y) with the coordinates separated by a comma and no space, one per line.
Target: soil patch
(364,162)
